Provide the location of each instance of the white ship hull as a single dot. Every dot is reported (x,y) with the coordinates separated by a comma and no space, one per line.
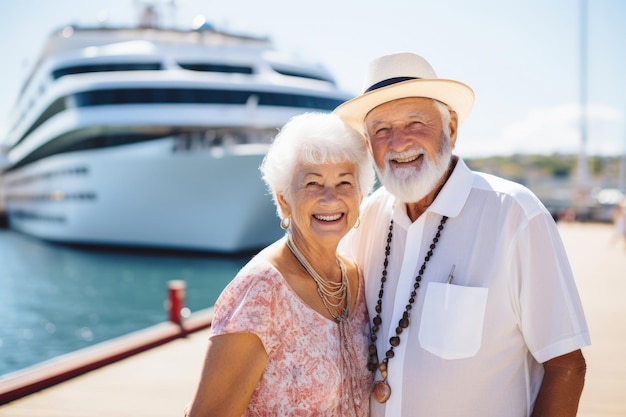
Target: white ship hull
(145,195)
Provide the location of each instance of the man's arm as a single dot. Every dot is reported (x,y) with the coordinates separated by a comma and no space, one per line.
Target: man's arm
(562,386)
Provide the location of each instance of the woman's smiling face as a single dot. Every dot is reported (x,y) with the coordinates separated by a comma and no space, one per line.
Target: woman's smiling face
(323,201)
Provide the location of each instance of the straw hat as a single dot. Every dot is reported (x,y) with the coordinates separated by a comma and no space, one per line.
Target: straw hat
(402,75)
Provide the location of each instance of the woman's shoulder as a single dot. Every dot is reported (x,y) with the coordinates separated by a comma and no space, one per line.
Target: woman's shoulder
(258,271)
(255,287)
(257,279)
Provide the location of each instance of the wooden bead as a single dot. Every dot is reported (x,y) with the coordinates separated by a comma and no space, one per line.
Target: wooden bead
(381,391)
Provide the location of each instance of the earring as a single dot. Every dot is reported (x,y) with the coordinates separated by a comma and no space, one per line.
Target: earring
(284,223)
(358,223)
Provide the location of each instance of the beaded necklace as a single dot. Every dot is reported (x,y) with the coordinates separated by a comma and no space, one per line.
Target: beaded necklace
(381,390)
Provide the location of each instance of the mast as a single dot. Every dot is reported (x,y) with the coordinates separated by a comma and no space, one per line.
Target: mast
(621,182)
(583,187)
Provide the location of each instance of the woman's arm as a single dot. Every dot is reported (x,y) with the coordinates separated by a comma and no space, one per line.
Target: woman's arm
(562,386)
(232,367)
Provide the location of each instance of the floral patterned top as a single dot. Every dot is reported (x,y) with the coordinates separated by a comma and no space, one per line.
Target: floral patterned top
(314,368)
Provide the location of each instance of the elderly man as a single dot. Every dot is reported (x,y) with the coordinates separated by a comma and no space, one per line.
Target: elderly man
(474,309)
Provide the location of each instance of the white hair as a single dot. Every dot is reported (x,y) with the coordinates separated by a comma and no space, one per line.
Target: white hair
(315,138)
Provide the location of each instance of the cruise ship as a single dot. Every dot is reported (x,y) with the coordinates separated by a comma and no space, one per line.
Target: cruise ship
(152,137)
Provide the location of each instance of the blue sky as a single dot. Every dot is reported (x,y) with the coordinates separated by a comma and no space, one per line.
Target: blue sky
(522,58)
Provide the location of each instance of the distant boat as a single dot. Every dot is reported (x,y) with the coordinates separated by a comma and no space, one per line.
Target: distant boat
(152,137)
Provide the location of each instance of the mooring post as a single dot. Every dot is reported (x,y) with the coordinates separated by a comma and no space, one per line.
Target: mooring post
(176,300)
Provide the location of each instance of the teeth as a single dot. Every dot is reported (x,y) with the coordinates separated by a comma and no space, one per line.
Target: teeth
(407,159)
(329,218)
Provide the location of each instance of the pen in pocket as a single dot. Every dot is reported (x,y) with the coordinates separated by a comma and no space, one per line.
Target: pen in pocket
(451,276)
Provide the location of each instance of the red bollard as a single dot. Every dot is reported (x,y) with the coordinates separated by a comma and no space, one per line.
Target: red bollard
(176,301)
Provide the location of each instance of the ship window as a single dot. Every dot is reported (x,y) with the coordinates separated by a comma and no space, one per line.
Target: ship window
(28,215)
(303,75)
(47,175)
(126,66)
(173,95)
(60,145)
(231,69)
(195,96)
(56,107)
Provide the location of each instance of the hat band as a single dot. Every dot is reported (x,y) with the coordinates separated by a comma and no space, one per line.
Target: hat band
(389,81)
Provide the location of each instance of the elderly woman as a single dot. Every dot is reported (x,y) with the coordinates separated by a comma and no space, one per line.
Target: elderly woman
(289,334)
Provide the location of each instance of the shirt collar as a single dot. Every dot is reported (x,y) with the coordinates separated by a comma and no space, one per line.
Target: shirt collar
(450,200)
(455,192)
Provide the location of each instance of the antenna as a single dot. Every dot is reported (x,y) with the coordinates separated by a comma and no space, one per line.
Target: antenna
(150,12)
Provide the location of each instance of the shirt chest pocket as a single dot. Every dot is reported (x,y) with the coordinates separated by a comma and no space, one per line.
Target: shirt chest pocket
(452,320)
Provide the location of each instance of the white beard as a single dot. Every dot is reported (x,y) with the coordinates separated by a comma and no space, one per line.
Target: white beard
(409,185)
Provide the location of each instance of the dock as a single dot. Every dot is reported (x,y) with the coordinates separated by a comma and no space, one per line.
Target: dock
(161,380)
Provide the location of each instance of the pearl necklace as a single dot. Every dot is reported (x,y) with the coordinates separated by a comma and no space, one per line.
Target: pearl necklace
(327,290)
(340,292)
(381,390)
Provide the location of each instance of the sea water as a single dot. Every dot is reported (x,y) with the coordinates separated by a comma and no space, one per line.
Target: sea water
(56,299)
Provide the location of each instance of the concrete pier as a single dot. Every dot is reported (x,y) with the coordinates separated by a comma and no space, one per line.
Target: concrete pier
(161,381)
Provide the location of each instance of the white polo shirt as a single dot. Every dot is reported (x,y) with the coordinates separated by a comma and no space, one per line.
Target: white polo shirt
(473,347)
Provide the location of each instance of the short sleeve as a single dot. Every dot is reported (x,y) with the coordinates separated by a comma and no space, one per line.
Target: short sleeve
(248,304)
(552,317)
